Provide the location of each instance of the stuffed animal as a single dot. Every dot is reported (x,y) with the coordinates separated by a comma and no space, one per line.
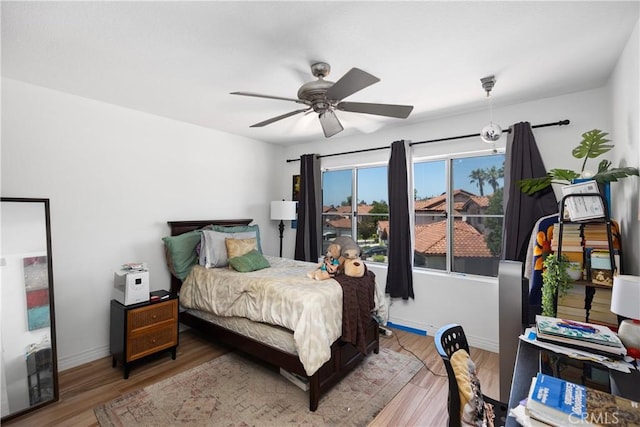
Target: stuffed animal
(330,264)
(354,267)
(349,249)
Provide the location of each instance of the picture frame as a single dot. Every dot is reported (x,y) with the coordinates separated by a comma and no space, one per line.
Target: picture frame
(36,282)
(584,207)
(295,188)
(295,196)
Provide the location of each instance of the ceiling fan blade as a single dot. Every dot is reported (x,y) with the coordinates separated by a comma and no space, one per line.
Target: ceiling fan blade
(275,119)
(258,95)
(330,123)
(350,83)
(389,110)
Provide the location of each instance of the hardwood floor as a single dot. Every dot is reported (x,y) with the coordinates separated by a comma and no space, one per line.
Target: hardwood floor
(422,402)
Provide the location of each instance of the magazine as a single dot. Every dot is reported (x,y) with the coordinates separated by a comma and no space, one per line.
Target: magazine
(583,336)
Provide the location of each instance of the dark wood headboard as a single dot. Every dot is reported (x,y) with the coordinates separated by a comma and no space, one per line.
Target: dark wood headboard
(180,227)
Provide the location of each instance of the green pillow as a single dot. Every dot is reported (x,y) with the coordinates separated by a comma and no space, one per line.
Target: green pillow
(182,252)
(251,261)
(238,229)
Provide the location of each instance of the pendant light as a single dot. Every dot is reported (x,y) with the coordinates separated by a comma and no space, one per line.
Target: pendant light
(491,132)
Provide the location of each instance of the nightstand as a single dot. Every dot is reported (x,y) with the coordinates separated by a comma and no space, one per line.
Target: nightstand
(140,330)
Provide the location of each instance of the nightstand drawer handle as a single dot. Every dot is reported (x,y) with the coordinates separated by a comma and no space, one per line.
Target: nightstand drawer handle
(153,341)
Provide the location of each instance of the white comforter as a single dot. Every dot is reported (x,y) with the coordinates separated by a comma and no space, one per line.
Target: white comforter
(280,295)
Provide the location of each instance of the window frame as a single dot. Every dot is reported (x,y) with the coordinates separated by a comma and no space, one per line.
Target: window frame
(353,214)
(449,216)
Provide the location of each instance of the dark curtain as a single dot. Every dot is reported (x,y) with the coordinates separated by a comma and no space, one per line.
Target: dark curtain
(521,211)
(399,252)
(308,228)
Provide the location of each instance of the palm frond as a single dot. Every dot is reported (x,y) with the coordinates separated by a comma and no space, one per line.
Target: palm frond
(564,174)
(603,166)
(593,144)
(615,174)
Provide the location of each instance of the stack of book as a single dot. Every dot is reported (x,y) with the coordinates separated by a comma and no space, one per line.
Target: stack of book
(557,402)
(597,339)
(572,305)
(572,247)
(595,235)
(600,310)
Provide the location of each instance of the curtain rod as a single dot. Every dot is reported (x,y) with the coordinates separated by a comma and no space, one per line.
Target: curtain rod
(450,138)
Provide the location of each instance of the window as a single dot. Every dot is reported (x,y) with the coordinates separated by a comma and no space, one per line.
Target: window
(430,221)
(458,214)
(361,214)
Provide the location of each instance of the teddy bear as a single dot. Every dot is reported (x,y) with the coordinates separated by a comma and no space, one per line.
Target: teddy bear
(330,264)
(353,267)
(349,249)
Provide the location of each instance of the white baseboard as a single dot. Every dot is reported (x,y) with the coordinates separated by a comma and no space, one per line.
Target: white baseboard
(474,341)
(72,361)
(100,352)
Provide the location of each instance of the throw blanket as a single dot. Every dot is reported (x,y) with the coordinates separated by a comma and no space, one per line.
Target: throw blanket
(358,304)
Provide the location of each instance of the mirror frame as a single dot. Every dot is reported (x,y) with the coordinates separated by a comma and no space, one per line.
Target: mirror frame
(52,317)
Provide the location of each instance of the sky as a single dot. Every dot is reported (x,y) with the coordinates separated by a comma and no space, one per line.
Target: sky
(429,178)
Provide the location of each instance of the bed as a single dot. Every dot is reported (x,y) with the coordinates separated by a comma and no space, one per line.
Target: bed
(271,344)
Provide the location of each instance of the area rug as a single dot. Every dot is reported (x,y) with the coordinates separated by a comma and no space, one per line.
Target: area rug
(234,391)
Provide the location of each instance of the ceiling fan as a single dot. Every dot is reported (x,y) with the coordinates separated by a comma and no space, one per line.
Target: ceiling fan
(324,97)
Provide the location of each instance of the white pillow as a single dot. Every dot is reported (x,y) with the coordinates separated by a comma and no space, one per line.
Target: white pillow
(213,250)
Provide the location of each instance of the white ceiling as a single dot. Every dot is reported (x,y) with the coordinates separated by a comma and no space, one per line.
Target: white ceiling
(181,59)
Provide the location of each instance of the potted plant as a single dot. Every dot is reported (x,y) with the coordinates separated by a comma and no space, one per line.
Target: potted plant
(593,145)
(555,279)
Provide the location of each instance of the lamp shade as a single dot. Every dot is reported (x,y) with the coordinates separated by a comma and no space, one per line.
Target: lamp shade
(625,296)
(283,210)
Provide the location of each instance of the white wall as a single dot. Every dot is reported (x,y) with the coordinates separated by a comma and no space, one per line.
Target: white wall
(470,301)
(115,177)
(625,134)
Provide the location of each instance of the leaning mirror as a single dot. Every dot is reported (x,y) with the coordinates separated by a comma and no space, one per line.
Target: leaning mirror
(29,370)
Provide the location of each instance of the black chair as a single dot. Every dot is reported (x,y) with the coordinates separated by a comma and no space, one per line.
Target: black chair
(449,339)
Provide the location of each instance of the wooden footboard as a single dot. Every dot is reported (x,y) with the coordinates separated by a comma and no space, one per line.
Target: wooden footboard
(344,356)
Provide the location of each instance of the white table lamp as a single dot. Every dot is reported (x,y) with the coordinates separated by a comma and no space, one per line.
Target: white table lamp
(284,211)
(625,301)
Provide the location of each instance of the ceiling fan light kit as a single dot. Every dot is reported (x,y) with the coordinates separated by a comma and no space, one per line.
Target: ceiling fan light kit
(324,97)
(491,132)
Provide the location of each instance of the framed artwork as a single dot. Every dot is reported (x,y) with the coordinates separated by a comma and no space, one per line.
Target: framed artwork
(295,196)
(36,283)
(295,188)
